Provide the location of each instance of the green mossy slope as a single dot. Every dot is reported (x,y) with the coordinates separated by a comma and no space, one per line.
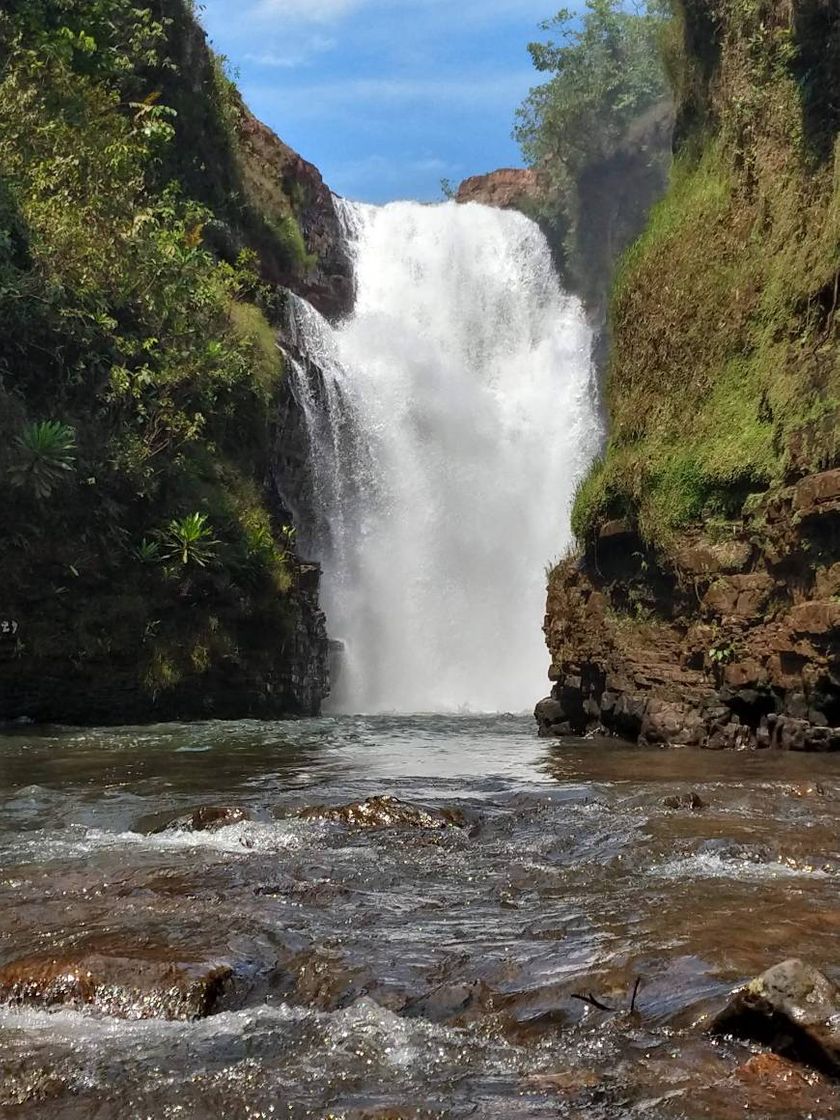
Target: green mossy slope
(725,373)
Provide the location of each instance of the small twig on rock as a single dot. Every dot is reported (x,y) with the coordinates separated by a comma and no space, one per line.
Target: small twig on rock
(592,1001)
(635,993)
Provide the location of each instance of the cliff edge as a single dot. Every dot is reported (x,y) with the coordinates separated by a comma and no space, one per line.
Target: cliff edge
(508,188)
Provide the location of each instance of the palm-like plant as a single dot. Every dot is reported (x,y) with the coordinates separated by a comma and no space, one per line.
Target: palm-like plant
(44,454)
(189,540)
(147,551)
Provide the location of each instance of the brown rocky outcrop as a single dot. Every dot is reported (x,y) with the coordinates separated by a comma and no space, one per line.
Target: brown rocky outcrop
(147,985)
(506,188)
(325,278)
(721,643)
(263,195)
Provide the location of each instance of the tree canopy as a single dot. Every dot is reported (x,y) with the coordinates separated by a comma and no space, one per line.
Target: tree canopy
(604,72)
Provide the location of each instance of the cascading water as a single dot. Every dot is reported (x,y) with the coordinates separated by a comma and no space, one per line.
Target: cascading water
(455,413)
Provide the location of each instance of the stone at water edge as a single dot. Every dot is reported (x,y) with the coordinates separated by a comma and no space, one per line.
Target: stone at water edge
(792,1008)
(152,986)
(206,818)
(552,720)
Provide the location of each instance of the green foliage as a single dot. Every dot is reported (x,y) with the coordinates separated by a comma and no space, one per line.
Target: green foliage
(725,377)
(147,551)
(105,40)
(45,453)
(722,654)
(605,72)
(158,356)
(189,541)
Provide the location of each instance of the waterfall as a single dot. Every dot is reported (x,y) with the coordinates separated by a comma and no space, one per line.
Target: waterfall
(454,412)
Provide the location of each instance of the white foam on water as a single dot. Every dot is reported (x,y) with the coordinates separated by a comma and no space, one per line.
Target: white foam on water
(77,842)
(713,865)
(457,412)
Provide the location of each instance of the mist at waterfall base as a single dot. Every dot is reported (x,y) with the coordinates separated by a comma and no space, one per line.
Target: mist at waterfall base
(454,412)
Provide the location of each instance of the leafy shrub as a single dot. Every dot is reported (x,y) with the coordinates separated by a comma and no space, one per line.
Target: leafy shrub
(605,71)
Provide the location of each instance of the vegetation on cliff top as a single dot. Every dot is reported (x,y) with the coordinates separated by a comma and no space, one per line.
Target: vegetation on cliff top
(138,370)
(725,373)
(594,131)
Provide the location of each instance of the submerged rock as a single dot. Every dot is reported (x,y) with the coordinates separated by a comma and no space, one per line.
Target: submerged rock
(385,811)
(206,818)
(153,986)
(691,800)
(792,1008)
(210,817)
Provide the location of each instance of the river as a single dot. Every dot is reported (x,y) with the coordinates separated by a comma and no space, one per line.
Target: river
(422,962)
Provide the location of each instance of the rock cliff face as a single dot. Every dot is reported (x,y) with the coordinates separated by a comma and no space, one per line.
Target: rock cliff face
(275,671)
(702,604)
(325,276)
(732,641)
(264,196)
(508,188)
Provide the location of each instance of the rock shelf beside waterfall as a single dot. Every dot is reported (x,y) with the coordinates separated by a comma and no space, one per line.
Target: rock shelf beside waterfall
(716,644)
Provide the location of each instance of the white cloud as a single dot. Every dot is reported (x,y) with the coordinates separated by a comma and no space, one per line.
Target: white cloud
(348,95)
(305,11)
(295,55)
(469,11)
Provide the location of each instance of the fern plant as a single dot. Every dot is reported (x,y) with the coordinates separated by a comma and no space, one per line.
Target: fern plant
(44,452)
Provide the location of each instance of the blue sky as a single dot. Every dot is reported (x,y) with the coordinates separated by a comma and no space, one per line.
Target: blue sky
(387,97)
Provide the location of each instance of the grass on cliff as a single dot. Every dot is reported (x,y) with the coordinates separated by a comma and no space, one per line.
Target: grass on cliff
(725,375)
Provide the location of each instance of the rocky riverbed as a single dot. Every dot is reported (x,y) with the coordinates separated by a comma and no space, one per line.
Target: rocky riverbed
(397,917)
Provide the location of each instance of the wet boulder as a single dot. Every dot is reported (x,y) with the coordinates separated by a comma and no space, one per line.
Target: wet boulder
(206,818)
(457,1004)
(151,986)
(793,1009)
(691,800)
(552,721)
(385,811)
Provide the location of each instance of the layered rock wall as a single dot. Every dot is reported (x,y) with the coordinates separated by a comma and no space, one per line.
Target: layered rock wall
(734,641)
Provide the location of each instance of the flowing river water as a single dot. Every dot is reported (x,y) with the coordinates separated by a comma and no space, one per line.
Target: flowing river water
(410,959)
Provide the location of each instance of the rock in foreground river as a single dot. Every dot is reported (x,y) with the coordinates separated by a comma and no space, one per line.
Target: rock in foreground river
(792,1008)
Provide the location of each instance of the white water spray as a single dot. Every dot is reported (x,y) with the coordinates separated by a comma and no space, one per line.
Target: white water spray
(457,411)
